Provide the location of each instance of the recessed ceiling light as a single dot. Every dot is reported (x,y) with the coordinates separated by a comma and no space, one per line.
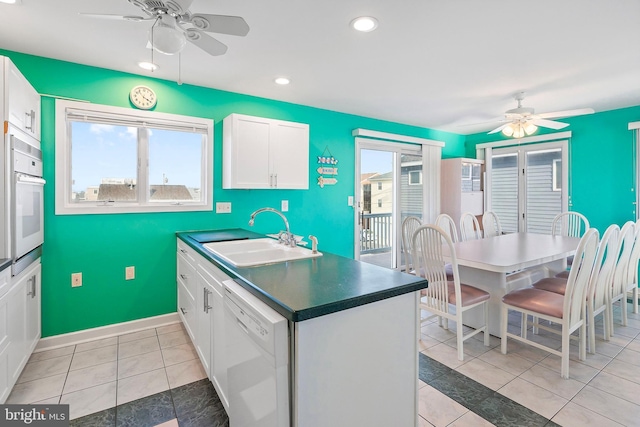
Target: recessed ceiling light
(364,24)
(148,66)
(9,1)
(282,81)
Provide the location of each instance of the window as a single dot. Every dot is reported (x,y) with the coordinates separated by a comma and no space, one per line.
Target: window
(415,177)
(379,203)
(557,175)
(116,160)
(379,185)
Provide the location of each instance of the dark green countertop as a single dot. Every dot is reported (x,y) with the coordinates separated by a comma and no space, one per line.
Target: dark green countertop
(308,288)
(5,263)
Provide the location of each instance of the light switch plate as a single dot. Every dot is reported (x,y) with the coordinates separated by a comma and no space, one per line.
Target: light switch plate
(223,207)
(76,280)
(350,201)
(284,206)
(129,273)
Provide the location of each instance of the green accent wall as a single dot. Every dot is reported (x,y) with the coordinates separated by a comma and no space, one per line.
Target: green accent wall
(602,170)
(101,246)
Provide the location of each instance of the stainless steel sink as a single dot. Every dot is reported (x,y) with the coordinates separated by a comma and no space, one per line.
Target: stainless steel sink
(248,253)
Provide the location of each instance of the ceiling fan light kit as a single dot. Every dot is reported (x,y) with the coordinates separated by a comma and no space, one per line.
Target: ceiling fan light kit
(165,37)
(521,121)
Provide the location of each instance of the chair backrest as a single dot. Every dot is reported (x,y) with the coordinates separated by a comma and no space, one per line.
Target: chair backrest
(571,224)
(579,277)
(447,223)
(409,225)
(469,227)
(632,266)
(627,239)
(428,243)
(604,266)
(491,224)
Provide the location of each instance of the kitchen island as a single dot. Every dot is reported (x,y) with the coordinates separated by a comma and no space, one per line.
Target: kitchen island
(353,333)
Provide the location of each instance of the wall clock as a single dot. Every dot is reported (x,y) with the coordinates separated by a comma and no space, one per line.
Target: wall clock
(143,97)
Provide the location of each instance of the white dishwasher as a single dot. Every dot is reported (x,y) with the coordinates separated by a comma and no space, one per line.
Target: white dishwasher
(257,357)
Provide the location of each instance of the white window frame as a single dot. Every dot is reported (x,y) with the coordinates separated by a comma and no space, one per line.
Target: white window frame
(127,117)
(554,176)
(419,177)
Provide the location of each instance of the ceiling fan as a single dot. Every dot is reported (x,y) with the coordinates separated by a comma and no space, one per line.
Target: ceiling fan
(175,25)
(521,121)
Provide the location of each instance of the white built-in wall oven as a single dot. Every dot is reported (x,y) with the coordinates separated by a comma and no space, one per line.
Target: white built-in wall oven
(26,207)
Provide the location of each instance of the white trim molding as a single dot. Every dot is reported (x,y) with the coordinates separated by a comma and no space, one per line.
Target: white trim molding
(634,125)
(366,133)
(79,337)
(527,140)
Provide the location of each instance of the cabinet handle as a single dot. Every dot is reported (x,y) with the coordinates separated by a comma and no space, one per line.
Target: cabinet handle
(33,286)
(183,276)
(31,117)
(206,307)
(276,181)
(183,310)
(30,282)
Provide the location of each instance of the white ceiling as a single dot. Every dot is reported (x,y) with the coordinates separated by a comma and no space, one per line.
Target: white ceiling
(439,64)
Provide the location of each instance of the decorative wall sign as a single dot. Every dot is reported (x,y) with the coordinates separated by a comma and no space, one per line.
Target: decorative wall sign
(327,173)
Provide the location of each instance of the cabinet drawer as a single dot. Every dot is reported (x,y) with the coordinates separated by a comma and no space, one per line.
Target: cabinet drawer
(4,332)
(5,278)
(187,276)
(186,310)
(188,253)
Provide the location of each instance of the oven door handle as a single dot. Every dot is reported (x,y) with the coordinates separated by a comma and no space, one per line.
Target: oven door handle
(27,179)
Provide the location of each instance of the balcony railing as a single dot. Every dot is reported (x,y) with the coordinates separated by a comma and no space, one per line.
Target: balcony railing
(376,234)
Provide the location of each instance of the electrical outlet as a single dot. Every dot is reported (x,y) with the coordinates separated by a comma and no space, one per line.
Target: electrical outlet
(223,207)
(76,280)
(130,273)
(284,205)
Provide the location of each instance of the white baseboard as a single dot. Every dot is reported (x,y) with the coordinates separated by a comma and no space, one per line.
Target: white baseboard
(79,337)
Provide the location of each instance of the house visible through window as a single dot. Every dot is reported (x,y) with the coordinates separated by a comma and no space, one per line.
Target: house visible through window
(111,159)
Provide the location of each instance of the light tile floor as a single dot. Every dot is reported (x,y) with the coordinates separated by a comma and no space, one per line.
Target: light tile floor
(604,390)
(101,374)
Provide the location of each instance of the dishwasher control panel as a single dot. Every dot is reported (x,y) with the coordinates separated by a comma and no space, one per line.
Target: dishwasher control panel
(248,321)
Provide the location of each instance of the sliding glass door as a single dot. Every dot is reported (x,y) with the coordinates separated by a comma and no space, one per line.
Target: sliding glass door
(528,186)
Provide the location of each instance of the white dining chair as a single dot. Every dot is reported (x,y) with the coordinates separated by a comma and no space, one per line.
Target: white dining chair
(571,224)
(599,289)
(469,227)
(628,236)
(441,294)
(447,223)
(491,224)
(566,310)
(409,225)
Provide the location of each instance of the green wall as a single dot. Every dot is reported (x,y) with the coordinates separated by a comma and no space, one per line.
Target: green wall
(602,152)
(101,246)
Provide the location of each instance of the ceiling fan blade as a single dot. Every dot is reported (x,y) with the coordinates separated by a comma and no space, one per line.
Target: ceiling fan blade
(566,113)
(222,24)
(116,17)
(499,128)
(549,123)
(179,7)
(205,42)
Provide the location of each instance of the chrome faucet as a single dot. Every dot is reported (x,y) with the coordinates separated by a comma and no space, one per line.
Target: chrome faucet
(288,238)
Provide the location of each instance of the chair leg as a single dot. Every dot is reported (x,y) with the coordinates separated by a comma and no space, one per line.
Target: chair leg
(623,306)
(486,324)
(610,305)
(503,329)
(459,337)
(523,325)
(606,333)
(583,341)
(635,299)
(592,330)
(564,366)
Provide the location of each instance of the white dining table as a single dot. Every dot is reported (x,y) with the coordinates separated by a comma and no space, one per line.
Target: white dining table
(507,262)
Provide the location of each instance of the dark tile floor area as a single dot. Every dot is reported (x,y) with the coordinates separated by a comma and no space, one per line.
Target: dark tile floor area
(194,405)
(490,405)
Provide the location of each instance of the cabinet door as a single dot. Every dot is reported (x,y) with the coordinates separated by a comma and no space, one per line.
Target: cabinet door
(186,311)
(17,305)
(290,155)
(203,308)
(22,100)
(32,326)
(246,152)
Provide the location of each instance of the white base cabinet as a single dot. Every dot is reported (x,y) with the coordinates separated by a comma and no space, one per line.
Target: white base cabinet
(200,306)
(19,324)
(264,153)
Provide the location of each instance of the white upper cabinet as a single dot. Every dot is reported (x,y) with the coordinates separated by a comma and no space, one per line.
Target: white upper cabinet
(21,101)
(264,153)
